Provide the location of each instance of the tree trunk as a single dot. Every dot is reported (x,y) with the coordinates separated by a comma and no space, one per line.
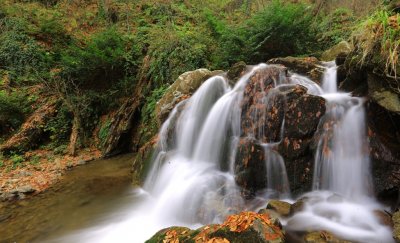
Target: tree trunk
(73,140)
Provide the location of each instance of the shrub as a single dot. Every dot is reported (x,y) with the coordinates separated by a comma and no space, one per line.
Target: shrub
(11,113)
(20,54)
(179,50)
(335,27)
(59,127)
(98,63)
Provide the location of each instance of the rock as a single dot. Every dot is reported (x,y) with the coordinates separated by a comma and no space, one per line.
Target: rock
(396,226)
(308,66)
(81,162)
(122,122)
(186,84)
(236,71)
(244,227)
(24,189)
(384,218)
(250,169)
(281,207)
(298,206)
(142,161)
(384,143)
(321,237)
(260,118)
(171,234)
(385,97)
(342,48)
(273,216)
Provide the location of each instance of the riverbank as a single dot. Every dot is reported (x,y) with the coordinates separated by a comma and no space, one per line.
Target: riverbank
(82,197)
(37,170)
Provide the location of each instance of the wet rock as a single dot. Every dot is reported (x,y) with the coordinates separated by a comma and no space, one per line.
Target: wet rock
(298,206)
(186,84)
(396,226)
(281,207)
(321,237)
(272,215)
(340,49)
(26,189)
(244,227)
(262,115)
(171,234)
(308,66)
(285,115)
(250,168)
(384,142)
(385,97)
(384,218)
(142,161)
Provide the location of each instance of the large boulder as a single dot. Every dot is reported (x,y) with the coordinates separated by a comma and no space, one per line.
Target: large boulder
(308,66)
(243,227)
(186,84)
(338,50)
(250,168)
(284,116)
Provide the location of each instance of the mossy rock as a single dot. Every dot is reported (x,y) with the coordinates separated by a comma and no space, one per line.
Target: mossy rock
(241,228)
(341,48)
(182,234)
(396,227)
(236,71)
(186,84)
(281,207)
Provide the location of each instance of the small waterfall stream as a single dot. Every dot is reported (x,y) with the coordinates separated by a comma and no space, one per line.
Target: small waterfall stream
(192,181)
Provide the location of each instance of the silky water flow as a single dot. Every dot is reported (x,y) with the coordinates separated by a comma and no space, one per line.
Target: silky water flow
(192,182)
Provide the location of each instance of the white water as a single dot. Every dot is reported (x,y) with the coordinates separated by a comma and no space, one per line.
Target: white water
(192,180)
(346,206)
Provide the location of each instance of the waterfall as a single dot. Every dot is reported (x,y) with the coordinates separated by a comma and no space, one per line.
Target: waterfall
(341,201)
(192,180)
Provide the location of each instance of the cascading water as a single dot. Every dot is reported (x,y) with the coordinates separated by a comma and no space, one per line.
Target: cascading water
(192,181)
(346,206)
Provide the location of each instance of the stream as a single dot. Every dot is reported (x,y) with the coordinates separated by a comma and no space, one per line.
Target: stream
(85,196)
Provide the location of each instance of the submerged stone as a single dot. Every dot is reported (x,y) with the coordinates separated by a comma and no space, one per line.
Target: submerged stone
(322,237)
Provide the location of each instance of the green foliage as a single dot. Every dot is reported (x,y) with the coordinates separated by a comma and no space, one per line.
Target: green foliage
(148,110)
(103,132)
(335,27)
(98,63)
(181,49)
(17,160)
(20,54)
(378,41)
(11,112)
(280,29)
(151,101)
(59,127)
(34,160)
(60,149)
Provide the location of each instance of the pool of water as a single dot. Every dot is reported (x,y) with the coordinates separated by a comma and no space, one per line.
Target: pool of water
(87,195)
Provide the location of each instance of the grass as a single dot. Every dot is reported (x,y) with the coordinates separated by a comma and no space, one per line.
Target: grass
(378,39)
